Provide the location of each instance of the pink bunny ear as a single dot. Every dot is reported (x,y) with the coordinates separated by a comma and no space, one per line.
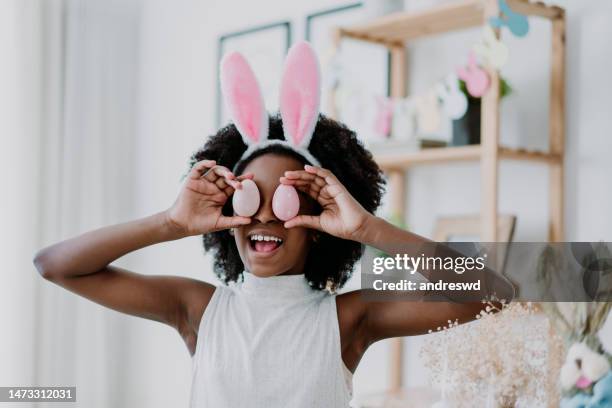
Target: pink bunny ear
(300,94)
(243,98)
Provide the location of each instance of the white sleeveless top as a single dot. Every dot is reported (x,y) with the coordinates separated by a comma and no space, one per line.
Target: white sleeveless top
(270,342)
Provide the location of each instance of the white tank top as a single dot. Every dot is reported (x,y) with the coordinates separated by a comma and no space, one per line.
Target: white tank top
(270,342)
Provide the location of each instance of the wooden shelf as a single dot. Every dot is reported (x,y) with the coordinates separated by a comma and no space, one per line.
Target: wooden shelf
(530,155)
(400,160)
(438,155)
(394,29)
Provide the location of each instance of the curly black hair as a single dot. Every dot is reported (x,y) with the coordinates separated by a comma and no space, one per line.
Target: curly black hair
(331,259)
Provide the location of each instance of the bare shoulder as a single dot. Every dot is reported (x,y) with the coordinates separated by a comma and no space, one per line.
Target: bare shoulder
(195,295)
(350,307)
(353,331)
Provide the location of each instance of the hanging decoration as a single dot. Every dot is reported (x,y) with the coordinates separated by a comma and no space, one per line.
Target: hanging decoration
(518,24)
(384,116)
(491,50)
(476,79)
(454,102)
(428,114)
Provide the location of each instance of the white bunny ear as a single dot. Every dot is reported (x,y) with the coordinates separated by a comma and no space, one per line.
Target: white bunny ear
(300,94)
(243,98)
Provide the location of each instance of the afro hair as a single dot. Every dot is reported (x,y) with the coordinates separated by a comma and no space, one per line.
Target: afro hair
(331,259)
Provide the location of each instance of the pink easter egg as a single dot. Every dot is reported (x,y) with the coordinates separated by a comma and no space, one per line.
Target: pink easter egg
(285,202)
(246,200)
(479,83)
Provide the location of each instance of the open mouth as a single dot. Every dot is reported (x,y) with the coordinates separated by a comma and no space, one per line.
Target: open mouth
(264,243)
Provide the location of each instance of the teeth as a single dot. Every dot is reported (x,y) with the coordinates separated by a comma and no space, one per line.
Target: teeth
(258,237)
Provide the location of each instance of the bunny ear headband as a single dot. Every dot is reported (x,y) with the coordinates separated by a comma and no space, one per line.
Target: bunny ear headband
(300,95)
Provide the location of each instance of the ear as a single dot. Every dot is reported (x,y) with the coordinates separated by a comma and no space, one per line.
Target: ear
(243,98)
(300,94)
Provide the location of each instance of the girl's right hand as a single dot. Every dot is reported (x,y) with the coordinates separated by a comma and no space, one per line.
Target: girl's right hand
(197,210)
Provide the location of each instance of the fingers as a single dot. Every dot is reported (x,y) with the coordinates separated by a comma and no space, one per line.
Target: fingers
(221,177)
(229,186)
(321,185)
(325,174)
(200,167)
(211,178)
(334,188)
(312,190)
(245,176)
(308,221)
(311,184)
(303,176)
(317,175)
(216,173)
(303,184)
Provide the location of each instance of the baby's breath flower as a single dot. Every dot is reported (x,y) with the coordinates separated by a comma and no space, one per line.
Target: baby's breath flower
(501,354)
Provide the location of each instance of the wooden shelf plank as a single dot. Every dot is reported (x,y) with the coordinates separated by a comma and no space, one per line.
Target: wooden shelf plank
(394,29)
(398,27)
(404,160)
(536,9)
(529,155)
(439,155)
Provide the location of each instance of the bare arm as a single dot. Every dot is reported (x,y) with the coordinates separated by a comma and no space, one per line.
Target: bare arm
(83,264)
(364,322)
(386,319)
(403,318)
(361,322)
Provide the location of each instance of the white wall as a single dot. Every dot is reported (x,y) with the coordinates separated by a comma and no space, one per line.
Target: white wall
(176,98)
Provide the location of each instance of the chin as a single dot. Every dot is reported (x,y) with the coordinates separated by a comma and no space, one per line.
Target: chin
(273,266)
(267,263)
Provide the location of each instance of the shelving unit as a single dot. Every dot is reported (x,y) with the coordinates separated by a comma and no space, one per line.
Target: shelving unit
(399,161)
(394,32)
(395,29)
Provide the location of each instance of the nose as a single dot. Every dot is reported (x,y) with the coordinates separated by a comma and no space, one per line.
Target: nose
(265,214)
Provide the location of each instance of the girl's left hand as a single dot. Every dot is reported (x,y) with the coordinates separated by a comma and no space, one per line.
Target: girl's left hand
(342,215)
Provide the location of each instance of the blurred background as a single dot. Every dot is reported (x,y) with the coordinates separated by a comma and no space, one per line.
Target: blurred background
(103,101)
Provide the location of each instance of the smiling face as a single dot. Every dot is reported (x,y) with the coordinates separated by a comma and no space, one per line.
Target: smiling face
(266,247)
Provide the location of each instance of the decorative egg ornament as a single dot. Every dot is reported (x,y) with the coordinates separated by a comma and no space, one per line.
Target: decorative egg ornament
(285,202)
(454,102)
(476,79)
(246,200)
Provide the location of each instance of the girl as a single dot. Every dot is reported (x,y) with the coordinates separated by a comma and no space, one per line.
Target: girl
(279,336)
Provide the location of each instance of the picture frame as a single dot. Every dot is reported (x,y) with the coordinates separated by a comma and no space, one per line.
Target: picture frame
(311,18)
(461,229)
(467,228)
(265,47)
(318,30)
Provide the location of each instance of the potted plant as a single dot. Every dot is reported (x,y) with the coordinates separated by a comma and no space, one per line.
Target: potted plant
(466,131)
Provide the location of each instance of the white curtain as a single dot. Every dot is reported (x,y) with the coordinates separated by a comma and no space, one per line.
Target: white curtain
(74,157)
(90,98)
(19,129)
(68,81)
